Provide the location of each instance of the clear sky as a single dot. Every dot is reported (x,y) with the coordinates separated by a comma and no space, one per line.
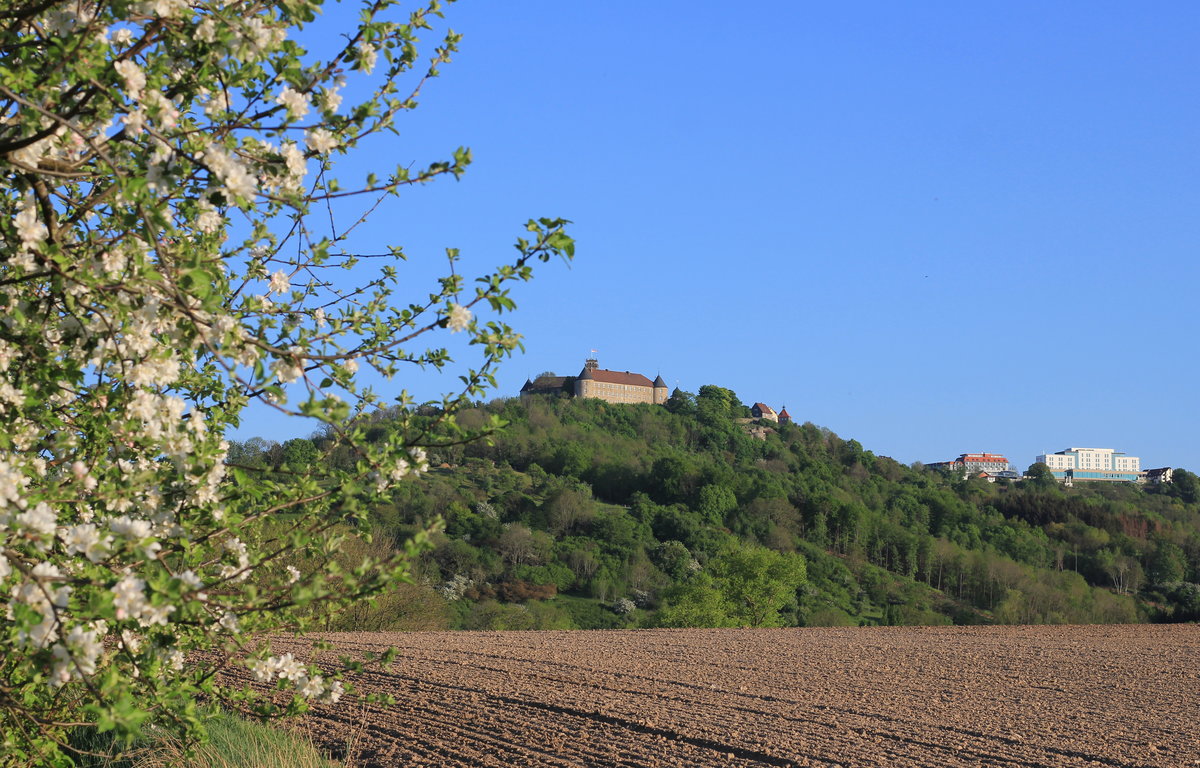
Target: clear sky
(931,227)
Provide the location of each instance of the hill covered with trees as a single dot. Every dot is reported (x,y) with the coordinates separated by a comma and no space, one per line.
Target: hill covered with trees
(586,514)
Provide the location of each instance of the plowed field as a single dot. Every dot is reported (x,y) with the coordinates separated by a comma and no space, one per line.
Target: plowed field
(995,696)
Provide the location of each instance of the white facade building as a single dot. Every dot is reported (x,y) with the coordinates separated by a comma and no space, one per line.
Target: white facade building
(1092,464)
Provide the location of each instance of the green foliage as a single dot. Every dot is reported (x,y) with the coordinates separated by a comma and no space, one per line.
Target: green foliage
(745,585)
(758,583)
(231,742)
(698,602)
(682,512)
(495,616)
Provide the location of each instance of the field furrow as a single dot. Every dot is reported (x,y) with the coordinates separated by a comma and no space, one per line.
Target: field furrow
(1008,697)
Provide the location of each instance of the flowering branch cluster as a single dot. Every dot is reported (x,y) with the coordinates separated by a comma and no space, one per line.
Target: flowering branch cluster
(159,273)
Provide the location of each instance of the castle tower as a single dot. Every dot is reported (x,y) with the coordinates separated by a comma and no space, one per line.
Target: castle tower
(660,391)
(584,382)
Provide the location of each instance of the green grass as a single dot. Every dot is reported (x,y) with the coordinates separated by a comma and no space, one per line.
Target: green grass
(233,743)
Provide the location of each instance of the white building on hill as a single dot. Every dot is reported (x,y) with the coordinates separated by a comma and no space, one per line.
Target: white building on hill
(1086,464)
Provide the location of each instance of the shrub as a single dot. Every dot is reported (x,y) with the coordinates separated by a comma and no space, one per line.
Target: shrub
(623,606)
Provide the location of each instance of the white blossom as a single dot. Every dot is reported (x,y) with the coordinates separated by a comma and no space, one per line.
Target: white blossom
(288,369)
(12,484)
(133,78)
(190,578)
(367,55)
(238,181)
(331,99)
(135,122)
(174,659)
(77,655)
(333,692)
(130,527)
(280,283)
(320,140)
(458,317)
(208,220)
(206,31)
(39,520)
(311,687)
(29,228)
(295,101)
(218,103)
(86,540)
(129,597)
(294,159)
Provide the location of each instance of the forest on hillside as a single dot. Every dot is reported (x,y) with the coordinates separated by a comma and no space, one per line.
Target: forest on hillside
(585,514)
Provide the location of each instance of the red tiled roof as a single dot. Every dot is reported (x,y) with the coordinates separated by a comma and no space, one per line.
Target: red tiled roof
(618,377)
(764,408)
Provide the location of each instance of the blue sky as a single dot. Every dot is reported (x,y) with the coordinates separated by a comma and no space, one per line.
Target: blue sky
(931,227)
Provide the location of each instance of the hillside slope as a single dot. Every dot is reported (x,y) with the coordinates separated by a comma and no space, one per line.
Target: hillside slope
(586,514)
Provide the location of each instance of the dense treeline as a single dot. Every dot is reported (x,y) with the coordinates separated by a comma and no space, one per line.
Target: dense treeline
(586,514)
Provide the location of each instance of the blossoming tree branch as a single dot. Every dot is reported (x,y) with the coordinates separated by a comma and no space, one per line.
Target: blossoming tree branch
(169,258)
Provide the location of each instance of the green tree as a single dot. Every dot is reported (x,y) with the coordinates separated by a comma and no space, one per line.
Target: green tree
(758,582)
(1039,476)
(698,602)
(673,559)
(680,402)
(1166,563)
(715,502)
(718,405)
(1186,485)
(299,453)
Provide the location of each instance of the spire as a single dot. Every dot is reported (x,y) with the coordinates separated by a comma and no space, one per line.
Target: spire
(658,382)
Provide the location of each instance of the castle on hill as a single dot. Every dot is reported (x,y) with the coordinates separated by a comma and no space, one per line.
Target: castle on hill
(594,381)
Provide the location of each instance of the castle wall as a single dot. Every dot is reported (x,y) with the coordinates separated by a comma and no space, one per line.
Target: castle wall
(617,393)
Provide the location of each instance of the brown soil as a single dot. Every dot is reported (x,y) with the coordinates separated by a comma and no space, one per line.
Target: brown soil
(996,696)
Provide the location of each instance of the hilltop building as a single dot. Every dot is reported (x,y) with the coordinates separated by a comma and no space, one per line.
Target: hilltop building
(549,385)
(993,466)
(1092,464)
(763,411)
(1158,476)
(602,384)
